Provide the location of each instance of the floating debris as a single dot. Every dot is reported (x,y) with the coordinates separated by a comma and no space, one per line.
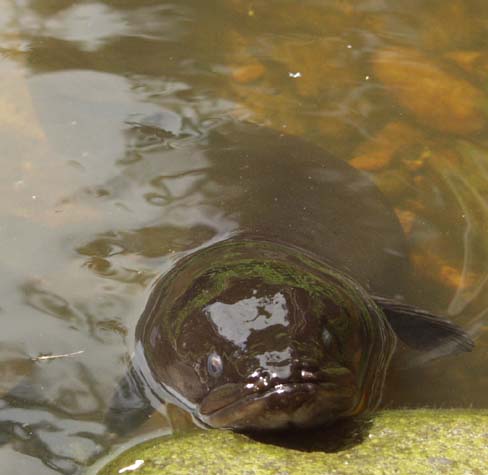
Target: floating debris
(54,357)
(138,463)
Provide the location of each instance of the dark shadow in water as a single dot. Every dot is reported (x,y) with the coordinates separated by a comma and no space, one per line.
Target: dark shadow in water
(342,435)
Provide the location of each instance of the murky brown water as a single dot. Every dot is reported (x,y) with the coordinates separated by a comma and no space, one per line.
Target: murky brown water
(95,99)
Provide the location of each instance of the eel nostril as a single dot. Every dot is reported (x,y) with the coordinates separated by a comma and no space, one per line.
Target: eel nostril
(308,375)
(260,380)
(262,384)
(257,374)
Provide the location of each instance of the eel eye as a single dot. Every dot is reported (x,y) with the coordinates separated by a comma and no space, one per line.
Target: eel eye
(327,337)
(215,366)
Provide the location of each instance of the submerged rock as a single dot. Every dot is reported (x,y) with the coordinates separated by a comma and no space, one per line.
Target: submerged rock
(434,96)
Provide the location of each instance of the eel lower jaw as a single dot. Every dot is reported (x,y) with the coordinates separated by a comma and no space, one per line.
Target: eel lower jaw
(302,404)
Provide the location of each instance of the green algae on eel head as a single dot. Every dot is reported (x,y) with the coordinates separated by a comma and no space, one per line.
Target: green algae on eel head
(279,324)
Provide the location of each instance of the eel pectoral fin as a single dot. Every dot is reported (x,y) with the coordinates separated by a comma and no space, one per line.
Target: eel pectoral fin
(424,331)
(129,407)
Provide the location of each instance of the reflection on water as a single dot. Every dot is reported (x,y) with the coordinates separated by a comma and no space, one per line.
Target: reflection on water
(100,98)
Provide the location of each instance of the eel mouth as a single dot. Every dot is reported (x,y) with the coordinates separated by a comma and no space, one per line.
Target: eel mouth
(278,406)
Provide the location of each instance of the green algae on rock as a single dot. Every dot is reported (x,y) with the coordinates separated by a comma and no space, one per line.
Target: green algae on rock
(410,442)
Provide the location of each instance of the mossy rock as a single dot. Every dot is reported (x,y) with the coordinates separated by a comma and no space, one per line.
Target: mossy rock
(408,442)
